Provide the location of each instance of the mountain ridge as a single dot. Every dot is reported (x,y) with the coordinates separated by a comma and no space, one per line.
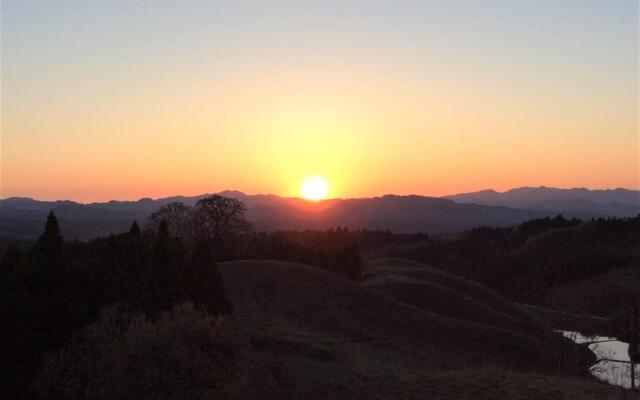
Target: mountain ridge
(238,193)
(618,202)
(22,217)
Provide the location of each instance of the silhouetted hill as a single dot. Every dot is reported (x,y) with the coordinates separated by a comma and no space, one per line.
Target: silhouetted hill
(22,218)
(579,202)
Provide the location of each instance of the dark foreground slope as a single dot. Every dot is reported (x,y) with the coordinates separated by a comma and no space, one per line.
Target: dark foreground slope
(336,339)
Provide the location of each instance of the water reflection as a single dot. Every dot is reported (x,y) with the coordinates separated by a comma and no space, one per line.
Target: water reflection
(613,359)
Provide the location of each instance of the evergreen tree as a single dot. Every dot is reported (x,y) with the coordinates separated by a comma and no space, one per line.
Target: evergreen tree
(50,243)
(135,229)
(42,316)
(47,263)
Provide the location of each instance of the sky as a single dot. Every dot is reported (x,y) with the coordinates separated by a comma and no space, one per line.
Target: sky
(127,99)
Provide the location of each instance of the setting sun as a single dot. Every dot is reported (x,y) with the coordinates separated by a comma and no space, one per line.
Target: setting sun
(314,188)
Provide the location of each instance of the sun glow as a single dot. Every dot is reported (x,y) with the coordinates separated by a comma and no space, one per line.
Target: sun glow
(314,188)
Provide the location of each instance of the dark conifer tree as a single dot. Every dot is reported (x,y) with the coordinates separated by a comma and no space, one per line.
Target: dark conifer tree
(50,244)
(47,264)
(44,314)
(135,229)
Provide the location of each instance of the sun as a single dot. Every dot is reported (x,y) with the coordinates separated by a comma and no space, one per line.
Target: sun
(314,188)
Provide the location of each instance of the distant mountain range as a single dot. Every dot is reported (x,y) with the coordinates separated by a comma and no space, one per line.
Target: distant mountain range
(24,217)
(579,202)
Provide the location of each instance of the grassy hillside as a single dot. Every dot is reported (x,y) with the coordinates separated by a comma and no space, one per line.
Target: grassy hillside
(437,291)
(334,338)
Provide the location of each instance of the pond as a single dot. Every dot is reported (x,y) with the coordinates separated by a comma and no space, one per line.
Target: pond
(613,360)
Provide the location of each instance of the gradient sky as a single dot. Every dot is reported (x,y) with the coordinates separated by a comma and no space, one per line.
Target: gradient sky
(125,99)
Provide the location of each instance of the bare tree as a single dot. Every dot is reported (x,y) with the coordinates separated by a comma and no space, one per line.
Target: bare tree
(217,218)
(178,217)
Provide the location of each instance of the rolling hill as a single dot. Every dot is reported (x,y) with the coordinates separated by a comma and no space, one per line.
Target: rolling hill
(333,338)
(436,291)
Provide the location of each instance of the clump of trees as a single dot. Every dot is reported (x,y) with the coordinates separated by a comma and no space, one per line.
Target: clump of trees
(216,220)
(50,292)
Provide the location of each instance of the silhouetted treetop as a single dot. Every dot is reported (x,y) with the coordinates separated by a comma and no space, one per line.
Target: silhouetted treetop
(135,229)
(51,235)
(176,215)
(218,217)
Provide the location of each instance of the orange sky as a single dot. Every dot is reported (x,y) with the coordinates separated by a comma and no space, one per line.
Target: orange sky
(95,109)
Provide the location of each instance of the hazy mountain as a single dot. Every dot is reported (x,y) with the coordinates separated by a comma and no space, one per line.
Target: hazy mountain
(24,218)
(579,201)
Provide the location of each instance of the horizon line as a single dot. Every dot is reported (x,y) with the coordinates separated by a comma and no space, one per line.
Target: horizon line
(327,199)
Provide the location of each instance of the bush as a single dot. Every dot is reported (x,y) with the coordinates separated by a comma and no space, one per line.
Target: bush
(183,355)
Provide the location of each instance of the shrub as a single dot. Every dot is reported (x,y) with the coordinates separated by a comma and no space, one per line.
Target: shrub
(184,354)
